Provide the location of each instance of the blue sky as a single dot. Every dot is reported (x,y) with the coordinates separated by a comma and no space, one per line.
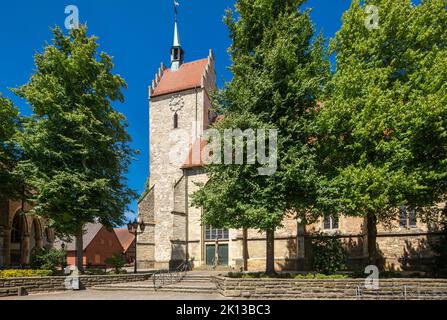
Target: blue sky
(138,34)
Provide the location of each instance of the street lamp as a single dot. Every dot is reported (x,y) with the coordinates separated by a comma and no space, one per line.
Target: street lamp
(133,229)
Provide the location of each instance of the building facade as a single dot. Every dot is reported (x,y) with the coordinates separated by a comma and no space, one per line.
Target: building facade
(21,234)
(179,104)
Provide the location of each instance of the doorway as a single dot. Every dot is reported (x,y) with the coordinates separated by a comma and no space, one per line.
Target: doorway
(211,254)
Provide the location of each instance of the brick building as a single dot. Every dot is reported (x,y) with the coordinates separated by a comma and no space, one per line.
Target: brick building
(99,243)
(179,114)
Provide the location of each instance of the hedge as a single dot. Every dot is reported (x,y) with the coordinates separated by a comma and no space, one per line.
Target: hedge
(25,273)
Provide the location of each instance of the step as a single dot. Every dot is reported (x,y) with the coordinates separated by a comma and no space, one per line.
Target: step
(209,291)
(196,281)
(123,288)
(192,285)
(183,288)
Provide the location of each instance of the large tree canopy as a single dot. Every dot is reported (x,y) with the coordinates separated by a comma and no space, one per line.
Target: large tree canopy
(10,183)
(279,69)
(76,144)
(383,133)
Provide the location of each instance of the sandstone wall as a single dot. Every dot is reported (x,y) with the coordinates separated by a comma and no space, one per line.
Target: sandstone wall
(346,289)
(8,286)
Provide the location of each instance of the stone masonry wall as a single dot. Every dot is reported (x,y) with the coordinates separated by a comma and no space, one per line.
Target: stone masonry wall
(48,284)
(330,289)
(146,243)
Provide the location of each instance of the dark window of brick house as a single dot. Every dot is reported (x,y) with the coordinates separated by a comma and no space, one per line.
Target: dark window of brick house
(407,217)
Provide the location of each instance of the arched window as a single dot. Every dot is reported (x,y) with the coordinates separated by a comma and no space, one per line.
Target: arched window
(175,120)
(16,231)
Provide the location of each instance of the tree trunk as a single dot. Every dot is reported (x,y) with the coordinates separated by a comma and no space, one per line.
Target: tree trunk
(372,238)
(80,249)
(245,248)
(270,257)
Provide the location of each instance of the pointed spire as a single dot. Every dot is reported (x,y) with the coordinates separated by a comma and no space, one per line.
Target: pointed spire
(176,35)
(177,53)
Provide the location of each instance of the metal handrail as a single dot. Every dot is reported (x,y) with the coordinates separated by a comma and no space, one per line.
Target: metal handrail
(405,291)
(170,277)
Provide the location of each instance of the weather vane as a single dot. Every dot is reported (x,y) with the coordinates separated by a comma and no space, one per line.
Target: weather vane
(176,5)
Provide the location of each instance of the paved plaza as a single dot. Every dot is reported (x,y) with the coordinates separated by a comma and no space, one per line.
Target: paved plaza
(118,295)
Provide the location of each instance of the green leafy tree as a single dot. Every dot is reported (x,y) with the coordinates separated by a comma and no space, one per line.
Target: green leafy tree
(76,144)
(279,69)
(328,254)
(11,183)
(383,138)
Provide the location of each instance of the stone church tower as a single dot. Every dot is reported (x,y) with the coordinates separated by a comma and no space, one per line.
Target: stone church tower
(179,112)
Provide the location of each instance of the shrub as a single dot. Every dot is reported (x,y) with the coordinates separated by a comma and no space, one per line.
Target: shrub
(329,256)
(49,259)
(117,261)
(94,272)
(25,273)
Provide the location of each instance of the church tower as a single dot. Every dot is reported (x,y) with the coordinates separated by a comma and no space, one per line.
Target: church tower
(179,109)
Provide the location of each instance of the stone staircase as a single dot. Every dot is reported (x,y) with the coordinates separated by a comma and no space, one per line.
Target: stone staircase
(192,283)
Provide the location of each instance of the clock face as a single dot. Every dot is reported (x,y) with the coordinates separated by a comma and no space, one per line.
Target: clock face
(176,104)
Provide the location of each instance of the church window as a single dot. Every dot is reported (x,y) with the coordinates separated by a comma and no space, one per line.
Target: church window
(175,120)
(407,217)
(216,234)
(330,223)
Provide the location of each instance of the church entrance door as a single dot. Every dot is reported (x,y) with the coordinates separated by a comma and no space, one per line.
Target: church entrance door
(211,254)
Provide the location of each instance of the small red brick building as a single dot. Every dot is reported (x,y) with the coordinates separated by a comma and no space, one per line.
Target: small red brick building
(99,244)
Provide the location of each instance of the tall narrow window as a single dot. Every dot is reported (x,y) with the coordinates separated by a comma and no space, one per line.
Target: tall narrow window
(412,221)
(175,120)
(407,217)
(330,223)
(403,216)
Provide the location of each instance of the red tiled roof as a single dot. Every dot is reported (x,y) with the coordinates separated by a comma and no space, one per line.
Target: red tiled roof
(194,159)
(189,76)
(90,232)
(125,237)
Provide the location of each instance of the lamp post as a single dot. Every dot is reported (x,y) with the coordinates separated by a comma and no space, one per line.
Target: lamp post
(133,229)
(63,246)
